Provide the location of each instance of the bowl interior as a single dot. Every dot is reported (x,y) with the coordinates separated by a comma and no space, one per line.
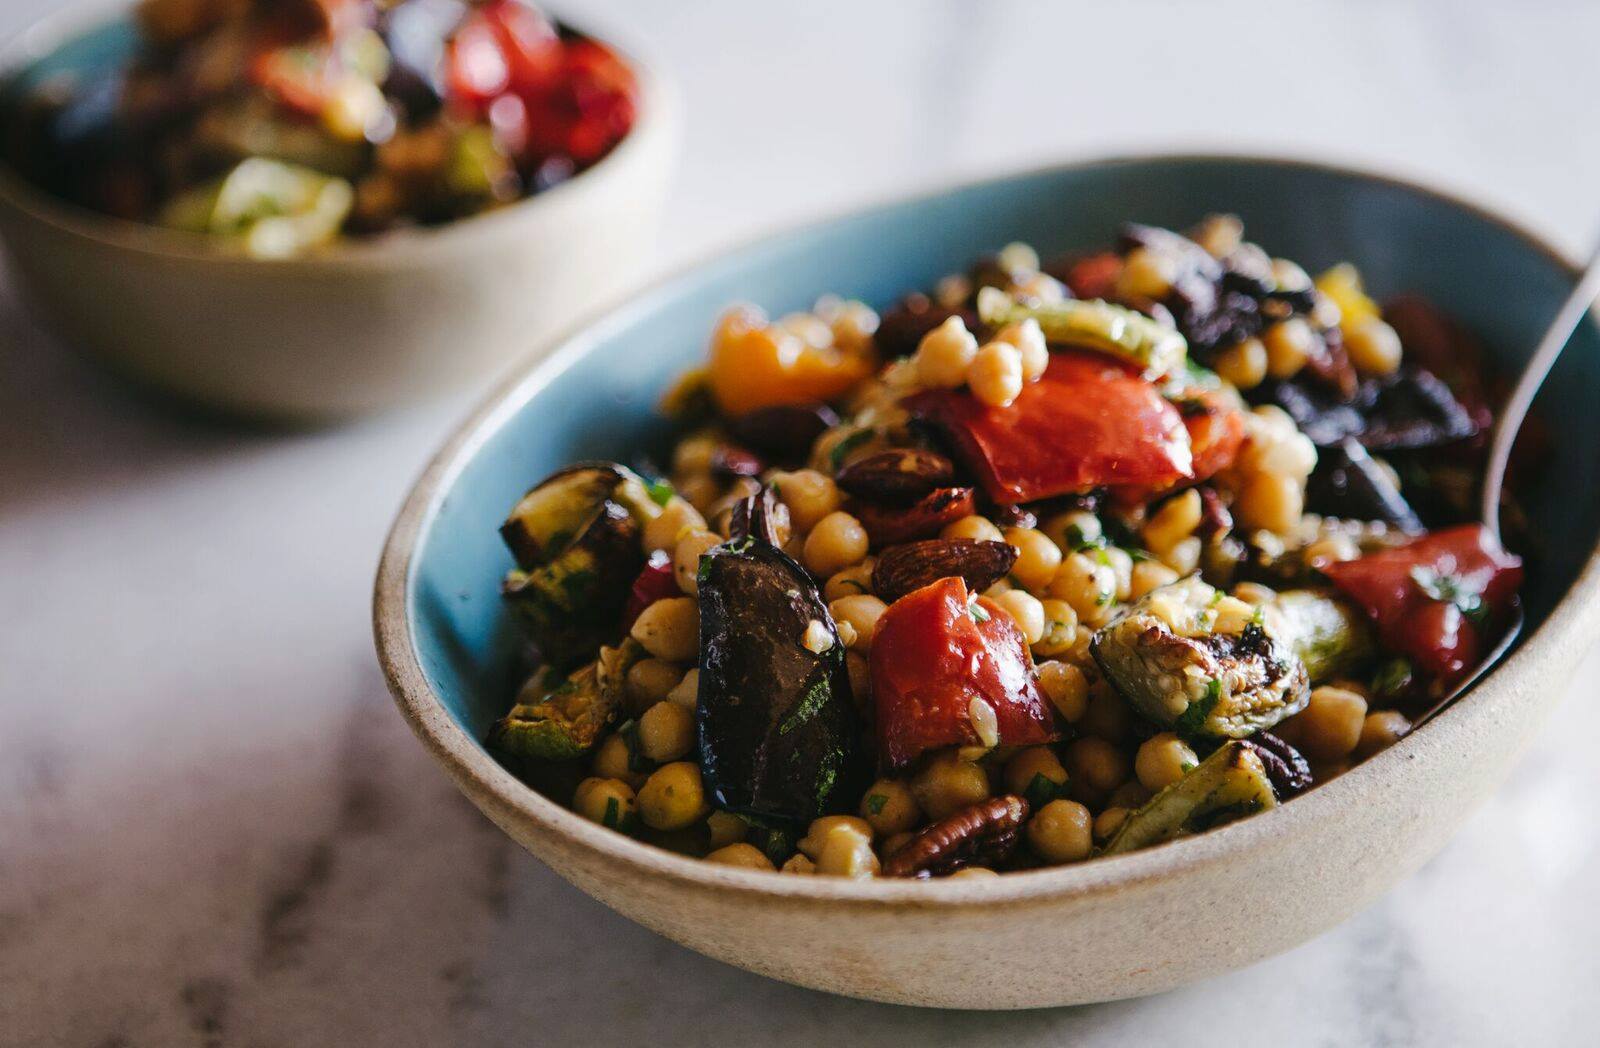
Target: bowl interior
(596,398)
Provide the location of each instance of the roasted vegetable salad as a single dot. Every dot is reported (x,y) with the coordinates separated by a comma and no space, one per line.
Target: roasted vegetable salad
(279,125)
(1054,560)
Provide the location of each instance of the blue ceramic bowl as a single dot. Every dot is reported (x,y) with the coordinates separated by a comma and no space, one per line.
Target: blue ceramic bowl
(446,641)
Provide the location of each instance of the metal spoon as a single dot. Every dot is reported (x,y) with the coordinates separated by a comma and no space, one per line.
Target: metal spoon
(1512,415)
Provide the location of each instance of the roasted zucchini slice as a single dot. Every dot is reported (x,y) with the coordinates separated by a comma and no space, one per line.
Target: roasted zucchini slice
(1190,658)
(564,722)
(1120,332)
(1228,785)
(576,539)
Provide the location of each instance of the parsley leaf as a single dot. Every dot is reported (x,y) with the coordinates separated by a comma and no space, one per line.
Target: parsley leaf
(1448,588)
(1194,718)
(875,802)
(1042,790)
(661,492)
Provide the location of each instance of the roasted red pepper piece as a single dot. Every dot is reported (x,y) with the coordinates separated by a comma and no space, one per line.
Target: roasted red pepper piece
(655,582)
(932,654)
(1435,600)
(1087,423)
(503,45)
(923,519)
(1095,276)
(1216,433)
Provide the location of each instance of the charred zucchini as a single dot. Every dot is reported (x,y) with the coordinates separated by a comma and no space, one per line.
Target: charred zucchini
(779,738)
(576,541)
(1190,658)
(1230,784)
(1129,336)
(564,722)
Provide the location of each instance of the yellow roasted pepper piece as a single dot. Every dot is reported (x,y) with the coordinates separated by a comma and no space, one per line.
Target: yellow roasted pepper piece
(755,364)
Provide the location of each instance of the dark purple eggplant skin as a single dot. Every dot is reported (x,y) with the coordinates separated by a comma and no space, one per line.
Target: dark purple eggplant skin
(1408,411)
(783,433)
(780,739)
(1347,483)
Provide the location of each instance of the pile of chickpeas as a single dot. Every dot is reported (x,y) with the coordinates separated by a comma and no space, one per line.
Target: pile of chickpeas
(1067,581)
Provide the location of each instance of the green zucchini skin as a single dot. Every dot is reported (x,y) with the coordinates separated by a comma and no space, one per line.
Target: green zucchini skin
(1114,330)
(1230,784)
(564,723)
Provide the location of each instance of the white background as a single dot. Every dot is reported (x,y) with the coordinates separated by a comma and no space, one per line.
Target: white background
(214,829)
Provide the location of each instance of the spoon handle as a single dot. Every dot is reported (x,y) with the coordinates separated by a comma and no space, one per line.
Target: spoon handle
(1515,410)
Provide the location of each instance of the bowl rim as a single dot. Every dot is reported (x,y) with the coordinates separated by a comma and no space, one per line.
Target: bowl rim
(655,124)
(508,801)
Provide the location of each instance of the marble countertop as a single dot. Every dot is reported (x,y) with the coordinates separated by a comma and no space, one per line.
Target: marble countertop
(215,830)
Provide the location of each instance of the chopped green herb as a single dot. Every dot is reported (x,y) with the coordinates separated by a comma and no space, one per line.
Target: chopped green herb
(875,803)
(1448,588)
(661,491)
(1080,541)
(845,446)
(977,612)
(613,816)
(809,706)
(1101,556)
(1042,790)
(1393,677)
(1194,718)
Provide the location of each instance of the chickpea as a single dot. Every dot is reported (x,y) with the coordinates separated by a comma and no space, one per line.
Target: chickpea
(686,557)
(1184,558)
(670,629)
(837,542)
(694,454)
(973,873)
(1244,364)
(1232,615)
(850,582)
(890,808)
(1086,584)
(1374,347)
(700,491)
(809,496)
(725,829)
(1026,612)
(676,517)
(1131,795)
(606,801)
(945,353)
(845,853)
(1146,273)
(673,798)
(687,691)
(666,732)
(854,324)
(979,529)
(894,843)
(1017,259)
(1121,562)
(862,613)
(1162,760)
(860,671)
(818,831)
(1074,529)
(1379,731)
(1289,276)
(1220,235)
(1108,822)
(1061,832)
(1148,575)
(947,784)
(1067,689)
(798,863)
(1107,714)
(1095,767)
(1060,628)
(1038,558)
(995,375)
(648,681)
(614,759)
(1029,340)
(745,856)
(1026,765)
(1174,521)
(1290,343)
(1330,725)
(1270,502)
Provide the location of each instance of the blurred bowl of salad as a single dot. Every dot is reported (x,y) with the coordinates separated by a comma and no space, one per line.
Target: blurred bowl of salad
(310,209)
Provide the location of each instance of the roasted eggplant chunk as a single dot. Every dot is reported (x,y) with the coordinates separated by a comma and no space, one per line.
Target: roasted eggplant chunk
(564,722)
(1190,658)
(1409,410)
(1228,785)
(576,541)
(779,736)
(1348,483)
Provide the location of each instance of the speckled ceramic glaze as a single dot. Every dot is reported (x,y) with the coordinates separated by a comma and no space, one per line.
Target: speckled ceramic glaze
(1136,924)
(361,325)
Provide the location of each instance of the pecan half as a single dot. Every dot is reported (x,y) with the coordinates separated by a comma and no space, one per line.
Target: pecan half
(891,525)
(983,835)
(1286,768)
(913,565)
(783,432)
(897,477)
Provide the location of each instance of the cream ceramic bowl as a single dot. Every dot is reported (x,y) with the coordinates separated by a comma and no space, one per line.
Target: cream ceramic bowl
(1107,928)
(363,325)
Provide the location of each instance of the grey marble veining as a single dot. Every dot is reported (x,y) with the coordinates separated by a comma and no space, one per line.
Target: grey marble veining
(214,830)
